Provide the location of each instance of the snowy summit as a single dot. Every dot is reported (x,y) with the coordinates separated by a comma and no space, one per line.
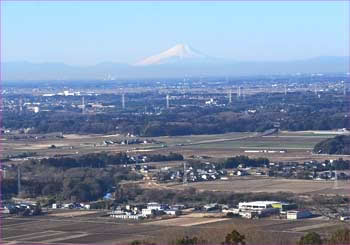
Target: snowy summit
(179,52)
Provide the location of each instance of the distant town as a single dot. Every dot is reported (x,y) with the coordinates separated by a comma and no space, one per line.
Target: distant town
(138,158)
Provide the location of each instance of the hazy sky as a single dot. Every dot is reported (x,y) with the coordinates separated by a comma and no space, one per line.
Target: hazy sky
(92,32)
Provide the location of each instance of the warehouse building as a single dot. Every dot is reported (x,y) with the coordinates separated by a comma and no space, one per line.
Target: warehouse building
(298,214)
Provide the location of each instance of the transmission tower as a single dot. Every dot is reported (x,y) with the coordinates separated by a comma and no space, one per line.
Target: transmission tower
(20,105)
(83,105)
(315,89)
(184,178)
(123,101)
(167,101)
(335,180)
(230,96)
(285,89)
(18,180)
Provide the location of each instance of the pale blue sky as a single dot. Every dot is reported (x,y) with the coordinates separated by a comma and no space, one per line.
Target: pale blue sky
(92,32)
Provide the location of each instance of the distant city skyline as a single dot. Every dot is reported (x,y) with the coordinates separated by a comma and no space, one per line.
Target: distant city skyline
(87,33)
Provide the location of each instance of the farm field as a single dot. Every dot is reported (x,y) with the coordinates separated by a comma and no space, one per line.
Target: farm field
(76,230)
(202,139)
(70,144)
(267,142)
(298,145)
(185,221)
(73,144)
(266,184)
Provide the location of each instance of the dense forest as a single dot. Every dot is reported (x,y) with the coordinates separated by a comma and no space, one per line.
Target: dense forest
(338,145)
(234,162)
(102,160)
(83,178)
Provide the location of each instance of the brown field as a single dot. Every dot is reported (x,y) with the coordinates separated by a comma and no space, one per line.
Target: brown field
(77,230)
(72,214)
(266,184)
(185,221)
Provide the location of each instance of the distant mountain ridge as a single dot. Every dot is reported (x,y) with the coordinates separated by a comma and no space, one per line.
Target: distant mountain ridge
(178,61)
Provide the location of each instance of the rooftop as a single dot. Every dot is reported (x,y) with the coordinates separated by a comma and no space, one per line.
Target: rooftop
(258,203)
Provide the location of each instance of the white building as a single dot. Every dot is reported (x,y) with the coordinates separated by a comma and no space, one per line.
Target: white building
(147,212)
(156,206)
(256,206)
(173,212)
(298,214)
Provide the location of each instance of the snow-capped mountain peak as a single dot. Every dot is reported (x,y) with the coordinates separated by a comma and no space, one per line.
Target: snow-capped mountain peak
(176,53)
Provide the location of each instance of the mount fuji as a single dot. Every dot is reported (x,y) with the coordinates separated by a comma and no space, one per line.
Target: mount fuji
(178,61)
(180,53)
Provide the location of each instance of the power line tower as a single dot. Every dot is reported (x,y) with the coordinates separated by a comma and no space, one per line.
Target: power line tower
(20,105)
(285,90)
(230,96)
(18,180)
(123,101)
(83,105)
(335,180)
(167,101)
(184,178)
(315,89)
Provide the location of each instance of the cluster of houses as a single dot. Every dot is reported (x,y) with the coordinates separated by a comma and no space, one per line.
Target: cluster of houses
(308,170)
(206,172)
(74,205)
(152,209)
